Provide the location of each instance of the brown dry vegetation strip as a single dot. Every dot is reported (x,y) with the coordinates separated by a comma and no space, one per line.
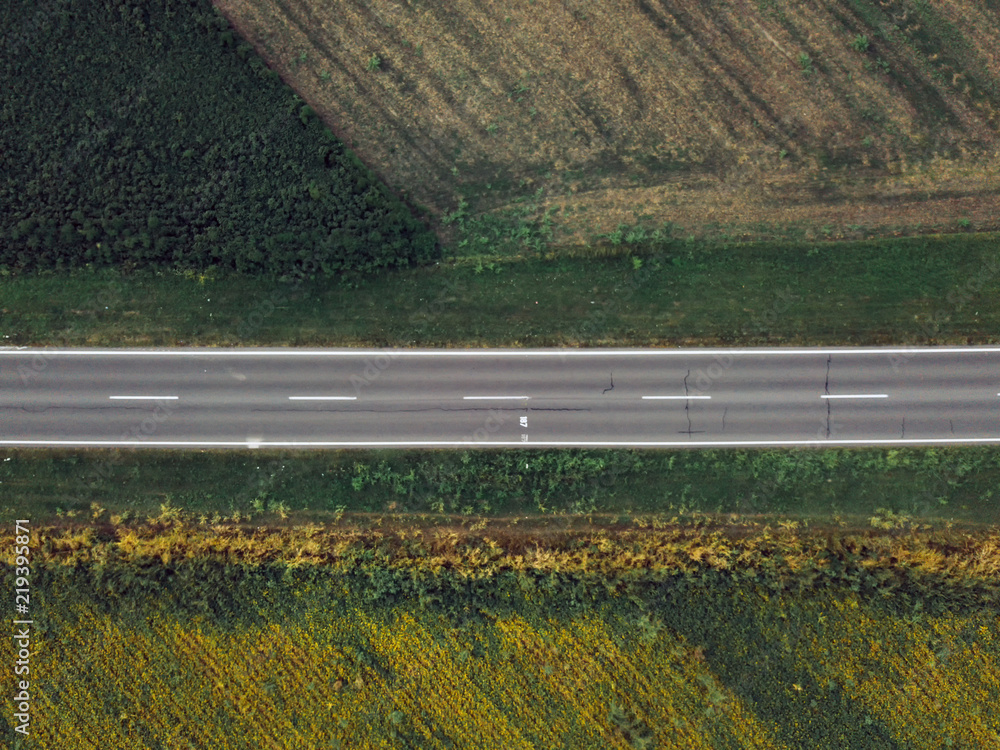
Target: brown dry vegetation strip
(966,555)
(734,112)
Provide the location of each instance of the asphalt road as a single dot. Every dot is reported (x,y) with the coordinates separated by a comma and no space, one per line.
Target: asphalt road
(337,398)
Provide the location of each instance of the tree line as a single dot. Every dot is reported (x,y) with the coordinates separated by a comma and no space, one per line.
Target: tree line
(147,134)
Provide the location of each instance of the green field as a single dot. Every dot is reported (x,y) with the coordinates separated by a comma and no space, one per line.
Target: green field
(855,485)
(925,290)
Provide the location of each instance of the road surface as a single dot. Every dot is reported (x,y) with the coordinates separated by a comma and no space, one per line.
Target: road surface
(330,398)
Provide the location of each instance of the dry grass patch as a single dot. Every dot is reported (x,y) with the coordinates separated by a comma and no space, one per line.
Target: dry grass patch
(774,113)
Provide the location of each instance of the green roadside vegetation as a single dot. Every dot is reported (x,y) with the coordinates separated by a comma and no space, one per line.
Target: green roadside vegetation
(912,290)
(859,487)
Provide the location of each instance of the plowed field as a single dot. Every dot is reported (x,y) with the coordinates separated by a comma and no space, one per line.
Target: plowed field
(746,117)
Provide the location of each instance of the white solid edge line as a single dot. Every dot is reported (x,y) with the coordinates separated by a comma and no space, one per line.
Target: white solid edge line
(672,398)
(496,398)
(544,443)
(322,398)
(856,395)
(595,352)
(143,398)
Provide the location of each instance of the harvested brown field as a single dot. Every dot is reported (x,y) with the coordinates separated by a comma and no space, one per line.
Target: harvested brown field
(746,117)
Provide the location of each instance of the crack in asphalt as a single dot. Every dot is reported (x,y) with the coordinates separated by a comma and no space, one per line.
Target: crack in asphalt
(724,412)
(40,409)
(902,429)
(44,409)
(952,424)
(612,385)
(687,404)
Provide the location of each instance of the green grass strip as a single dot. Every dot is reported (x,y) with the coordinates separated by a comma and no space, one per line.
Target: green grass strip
(920,290)
(925,484)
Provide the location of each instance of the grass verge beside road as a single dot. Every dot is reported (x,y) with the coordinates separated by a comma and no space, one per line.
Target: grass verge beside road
(934,485)
(919,290)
